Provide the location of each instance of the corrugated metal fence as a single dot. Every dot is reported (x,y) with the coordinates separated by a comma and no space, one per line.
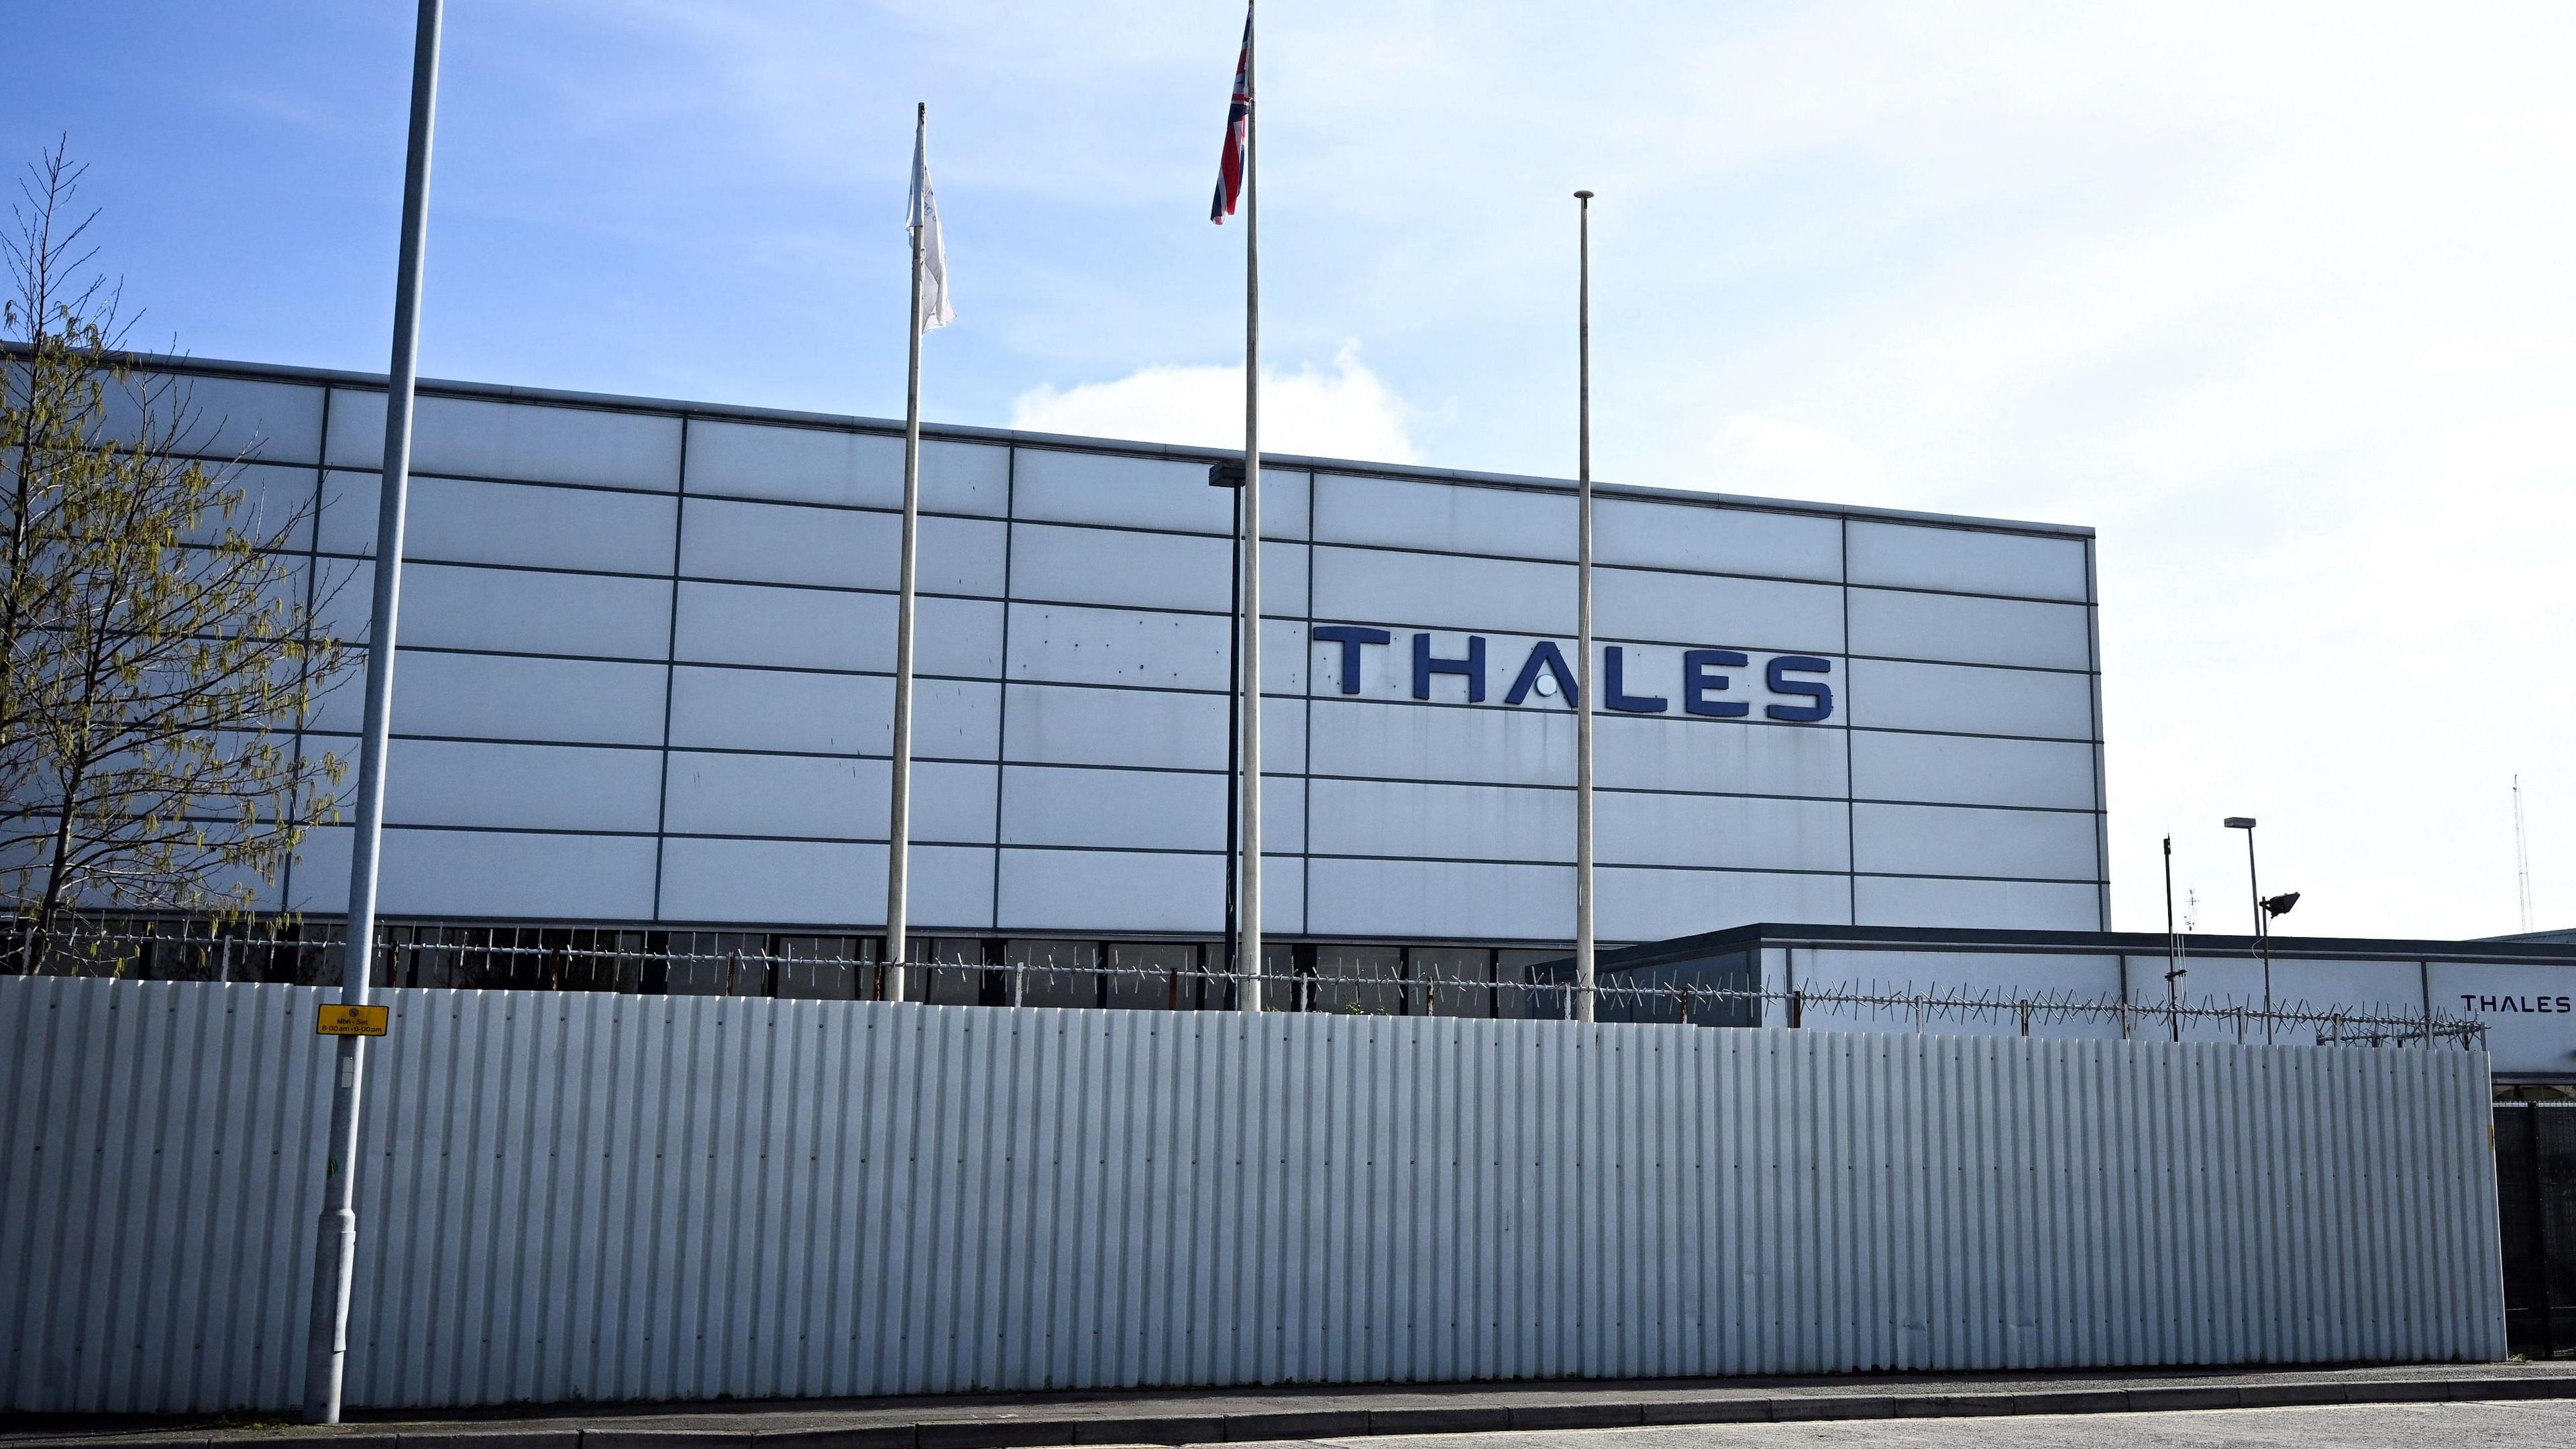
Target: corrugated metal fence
(615,1197)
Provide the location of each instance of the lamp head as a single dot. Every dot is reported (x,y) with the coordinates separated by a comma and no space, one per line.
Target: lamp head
(2238,822)
(2280,905)
(1228,474)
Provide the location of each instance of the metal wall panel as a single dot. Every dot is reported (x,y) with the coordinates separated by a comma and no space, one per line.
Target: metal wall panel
(1493,822)
(538,443)
(522,786)
(1473,745)
(1069,725)
(825,883)
(1069,892)
(456,874)
(1125,809)
(1700,609)
(1131,568)
(615,1197)
(523,611)
(1964,629)
(222,417)
(1748,758)
(829,629)
(1064,725)
(1969,770)
(1975,561)
(1062,486)
(506,697)
(1059,485)
(1400,513)
(818,465)
(271,496)
(1964,840)
(1066,644)
(465,520)
(1379,818)
(837,547)
(1886,694)
(1721,832)
(1649,905)
(1395,900)
(829,714)
(2013,904)
(1443,591)
(1716,540)
(823,797)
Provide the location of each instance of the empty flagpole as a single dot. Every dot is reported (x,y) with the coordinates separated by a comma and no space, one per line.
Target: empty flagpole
(1584,979)
(921,223)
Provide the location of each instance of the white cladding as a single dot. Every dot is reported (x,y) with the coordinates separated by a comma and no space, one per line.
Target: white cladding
(647,649)
(588,1196)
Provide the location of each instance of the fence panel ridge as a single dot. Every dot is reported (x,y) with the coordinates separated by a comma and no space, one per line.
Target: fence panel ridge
(616,1197)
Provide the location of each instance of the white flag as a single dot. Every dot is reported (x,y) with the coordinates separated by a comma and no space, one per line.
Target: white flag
(923,218)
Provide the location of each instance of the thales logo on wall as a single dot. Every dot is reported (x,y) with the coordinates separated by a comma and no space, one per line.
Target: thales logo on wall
(1708,683)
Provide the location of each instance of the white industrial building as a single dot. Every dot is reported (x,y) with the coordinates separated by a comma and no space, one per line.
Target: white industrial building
(643,709)
(648,647)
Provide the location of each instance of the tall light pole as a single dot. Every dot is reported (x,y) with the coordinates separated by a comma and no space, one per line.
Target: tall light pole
(1584,968)
(2262,932)
(335,1258)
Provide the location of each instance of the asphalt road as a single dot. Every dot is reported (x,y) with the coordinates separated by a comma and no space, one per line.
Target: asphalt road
(2360,1426)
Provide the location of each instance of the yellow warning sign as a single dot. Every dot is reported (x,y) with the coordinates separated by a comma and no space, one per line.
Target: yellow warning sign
(351,1020)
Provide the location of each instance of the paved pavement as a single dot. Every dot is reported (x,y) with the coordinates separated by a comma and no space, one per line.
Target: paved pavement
(1328,1413)
(2374,1426)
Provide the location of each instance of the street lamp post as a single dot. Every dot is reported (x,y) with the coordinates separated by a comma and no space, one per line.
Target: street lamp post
(2262,932)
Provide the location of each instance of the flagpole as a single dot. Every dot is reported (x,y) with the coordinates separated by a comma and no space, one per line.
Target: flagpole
(1584,977)
(899,795)
(1248,924)
(336,1255)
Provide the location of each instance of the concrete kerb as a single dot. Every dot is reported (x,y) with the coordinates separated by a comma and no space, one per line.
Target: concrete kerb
(1352,1423)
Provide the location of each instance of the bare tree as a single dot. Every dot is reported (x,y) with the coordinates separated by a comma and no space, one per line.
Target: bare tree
(159,642)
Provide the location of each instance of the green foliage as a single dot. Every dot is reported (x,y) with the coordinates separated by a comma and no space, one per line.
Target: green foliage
(158,634)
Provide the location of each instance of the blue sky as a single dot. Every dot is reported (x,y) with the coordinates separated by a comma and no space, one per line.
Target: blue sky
(2272,295)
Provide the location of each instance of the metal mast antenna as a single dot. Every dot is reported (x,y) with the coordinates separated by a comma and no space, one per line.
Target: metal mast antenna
(2521,856)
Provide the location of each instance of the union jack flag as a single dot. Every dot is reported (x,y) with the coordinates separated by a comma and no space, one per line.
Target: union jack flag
(1238,131)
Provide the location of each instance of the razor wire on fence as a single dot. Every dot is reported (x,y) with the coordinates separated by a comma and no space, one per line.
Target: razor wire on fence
(1471,982)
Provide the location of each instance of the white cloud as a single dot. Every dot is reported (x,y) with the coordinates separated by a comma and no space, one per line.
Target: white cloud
(1343,412)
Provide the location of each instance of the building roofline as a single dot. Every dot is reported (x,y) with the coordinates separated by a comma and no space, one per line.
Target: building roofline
(1178,452)
(2096,943)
